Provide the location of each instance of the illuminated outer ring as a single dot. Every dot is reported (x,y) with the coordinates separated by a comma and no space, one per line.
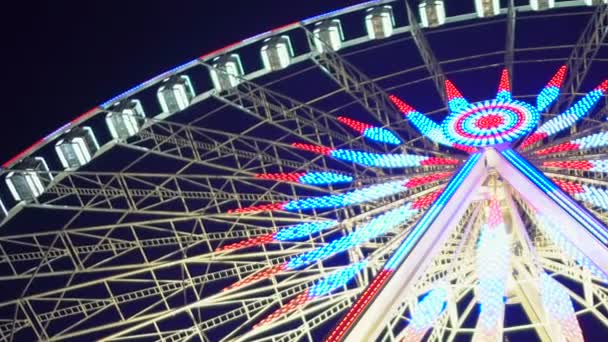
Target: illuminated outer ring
(518,119)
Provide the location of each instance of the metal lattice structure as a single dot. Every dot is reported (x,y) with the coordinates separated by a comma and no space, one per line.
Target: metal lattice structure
(306,200)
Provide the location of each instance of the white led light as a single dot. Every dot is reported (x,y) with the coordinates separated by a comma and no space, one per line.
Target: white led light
(432,13)
(77,148)
(380,22)
(328,34)
(541,5)
(226,72)
(30,182)
(276,53)
(175,94)
(487,8)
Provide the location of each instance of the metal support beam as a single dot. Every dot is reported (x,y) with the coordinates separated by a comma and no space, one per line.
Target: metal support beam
(432,65)
(582,56)
(370,323)
(510,40)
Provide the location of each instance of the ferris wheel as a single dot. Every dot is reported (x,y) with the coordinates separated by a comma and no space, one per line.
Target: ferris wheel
(351,176)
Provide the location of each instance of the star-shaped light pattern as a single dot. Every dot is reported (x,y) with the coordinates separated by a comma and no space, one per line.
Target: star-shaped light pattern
(468,127)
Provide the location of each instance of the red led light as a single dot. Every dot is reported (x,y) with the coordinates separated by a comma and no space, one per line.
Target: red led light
(417,181)
(426,200)
(568,146)
(84,115)
(558,78)
(534,138)
(356,310)
(22,153)
(569,187)
(504,81)
(451,90)
(253,209)
(468,149)
(603,86)
(285,177)
(354,124)
(490,121)
(401,105)
(313,148)
(439,161)
(293,304)
(495,218)
(264,274)
(570,164)
(260,240)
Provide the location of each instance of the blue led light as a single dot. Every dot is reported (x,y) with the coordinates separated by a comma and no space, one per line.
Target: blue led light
(302,230)
(143,85)
(323,178)
(594,195)
(358,196)
(546,97)
(430,215)
(336,280)
(378,226)
(493,266)
(382,135)
(331,13)
(572,114)
(428,310)
(592,141)
(428,128)
(379,160)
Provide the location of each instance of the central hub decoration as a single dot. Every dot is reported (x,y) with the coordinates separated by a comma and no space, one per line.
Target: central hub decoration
(490,122)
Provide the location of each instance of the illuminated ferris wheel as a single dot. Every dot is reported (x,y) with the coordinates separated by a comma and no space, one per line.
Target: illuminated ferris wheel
(350,176)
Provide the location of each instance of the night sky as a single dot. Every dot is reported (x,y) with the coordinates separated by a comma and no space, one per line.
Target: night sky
(64,57)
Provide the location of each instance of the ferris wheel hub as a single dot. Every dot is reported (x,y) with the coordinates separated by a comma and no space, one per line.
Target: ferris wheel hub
(490,122)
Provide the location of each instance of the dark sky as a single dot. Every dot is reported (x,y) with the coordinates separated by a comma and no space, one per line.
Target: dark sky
(64,57)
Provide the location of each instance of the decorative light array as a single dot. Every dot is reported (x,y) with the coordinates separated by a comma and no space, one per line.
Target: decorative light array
(591,141)
(401,252)
(599,165)
(377,159)
(426,126)
(427,311)
(504,87)
(378,226)
(312,178)
(378,134)
(490,122)
(367,194)
(456,102)
(551,91)
(558,304)
(329,284)
(568,118)
(586,193)
(493,266)
(289,233)
(553,232)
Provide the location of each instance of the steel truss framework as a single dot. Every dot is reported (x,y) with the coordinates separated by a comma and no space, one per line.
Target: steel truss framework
(179,232)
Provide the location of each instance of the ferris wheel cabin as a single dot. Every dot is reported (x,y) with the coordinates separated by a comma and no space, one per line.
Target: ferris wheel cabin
(328,34)
(380,22)
(125,119)
(175,94)
(77,147)
(227,71)
(29,179)
(277,53)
